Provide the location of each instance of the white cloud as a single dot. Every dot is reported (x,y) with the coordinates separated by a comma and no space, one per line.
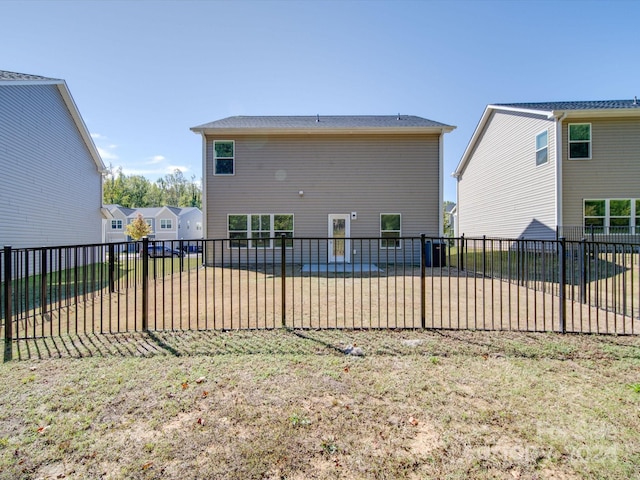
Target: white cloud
(173,168)
(97,136)
(156,159)
(106,154)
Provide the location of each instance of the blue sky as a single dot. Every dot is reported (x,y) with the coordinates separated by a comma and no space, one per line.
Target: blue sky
(143,72)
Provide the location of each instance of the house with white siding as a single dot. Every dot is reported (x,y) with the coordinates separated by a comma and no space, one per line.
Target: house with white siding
(534,170)
(167,223)
(51,181)
(323,177)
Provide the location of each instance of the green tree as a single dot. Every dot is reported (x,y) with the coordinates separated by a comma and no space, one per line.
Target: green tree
(138,228)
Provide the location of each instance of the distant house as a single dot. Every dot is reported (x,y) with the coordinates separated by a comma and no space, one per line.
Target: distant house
(167,223)
(322,176)
(534,169)
(51,181)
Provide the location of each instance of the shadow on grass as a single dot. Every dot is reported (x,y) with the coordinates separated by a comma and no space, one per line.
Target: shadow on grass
(285,342)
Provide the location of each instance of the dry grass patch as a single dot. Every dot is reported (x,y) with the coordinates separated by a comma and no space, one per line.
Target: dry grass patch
(290,404)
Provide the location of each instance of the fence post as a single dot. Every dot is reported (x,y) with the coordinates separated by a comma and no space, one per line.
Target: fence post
(563,283)
(584,260)
(145,284)
(283,275)
(43,281)
(8,307)
(461,254)
(423,281)
(484,255)
(112,268)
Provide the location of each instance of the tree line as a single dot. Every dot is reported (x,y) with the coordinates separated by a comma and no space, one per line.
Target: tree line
(136,191)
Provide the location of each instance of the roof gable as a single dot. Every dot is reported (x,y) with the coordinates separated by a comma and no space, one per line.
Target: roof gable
(9,79)
(551,110)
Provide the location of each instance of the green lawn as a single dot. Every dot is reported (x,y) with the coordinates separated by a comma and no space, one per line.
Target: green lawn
(291,404)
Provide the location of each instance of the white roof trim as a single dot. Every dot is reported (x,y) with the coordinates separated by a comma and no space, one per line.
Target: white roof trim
(77,118)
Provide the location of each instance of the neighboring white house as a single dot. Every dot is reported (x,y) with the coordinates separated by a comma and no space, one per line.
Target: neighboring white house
(51,180)
(167,223)
(534,169)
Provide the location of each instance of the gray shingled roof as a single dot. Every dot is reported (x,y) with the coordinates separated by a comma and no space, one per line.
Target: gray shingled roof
(584,105)
(322,122)
(14,76)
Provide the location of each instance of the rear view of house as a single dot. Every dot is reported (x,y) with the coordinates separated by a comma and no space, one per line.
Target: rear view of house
(51,182)
(322,176)
(534,170)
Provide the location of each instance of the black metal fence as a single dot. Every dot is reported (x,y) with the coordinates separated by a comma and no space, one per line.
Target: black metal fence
(417,282)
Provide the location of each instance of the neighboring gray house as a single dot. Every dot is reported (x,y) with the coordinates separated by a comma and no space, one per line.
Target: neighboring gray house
(51,181)
(322,176)
(533,167)
(167,223)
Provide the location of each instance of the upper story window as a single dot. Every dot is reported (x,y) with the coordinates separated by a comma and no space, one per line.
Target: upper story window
(579,141)
(542,148)
(166,224)
(390,230)
(223,157)
(116,224)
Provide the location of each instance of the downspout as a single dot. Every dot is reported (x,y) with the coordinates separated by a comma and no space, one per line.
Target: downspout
(441,188)
(205,232)
(559,216)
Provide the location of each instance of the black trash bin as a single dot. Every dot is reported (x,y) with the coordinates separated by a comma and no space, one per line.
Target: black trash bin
(435,253)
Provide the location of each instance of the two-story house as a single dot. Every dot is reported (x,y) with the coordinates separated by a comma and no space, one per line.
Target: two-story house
(167,223)
(51,180)
(324,177)
(532,170)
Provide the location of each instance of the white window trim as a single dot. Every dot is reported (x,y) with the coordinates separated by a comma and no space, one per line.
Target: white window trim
(399,247)
(633,214)
(164,220)
(540,149)
(272,234)
(215,158)
(569,142)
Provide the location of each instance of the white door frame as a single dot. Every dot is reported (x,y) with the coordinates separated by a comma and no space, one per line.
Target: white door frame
(334,257)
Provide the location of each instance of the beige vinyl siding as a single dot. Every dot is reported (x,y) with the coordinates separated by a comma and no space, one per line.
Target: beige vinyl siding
(50,187)
(612,172)
(366,174)
(502,192)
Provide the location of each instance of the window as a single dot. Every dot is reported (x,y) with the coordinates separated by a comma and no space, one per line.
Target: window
(612,215)
(283,225)
(198,226)
(116,224)
(542,148)
(223,157)
(390,230)
(595,214)
(619,216)
(258,231)
(166,224)
(580,141)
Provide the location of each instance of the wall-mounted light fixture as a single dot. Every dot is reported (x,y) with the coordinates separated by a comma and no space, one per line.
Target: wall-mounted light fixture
(301,193)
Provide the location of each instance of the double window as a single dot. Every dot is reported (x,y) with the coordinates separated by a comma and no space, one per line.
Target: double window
(612,215)
(390,230)
(260,230)
(116,224)
(224,157)
(579,141)
(542,148)
(166,224)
